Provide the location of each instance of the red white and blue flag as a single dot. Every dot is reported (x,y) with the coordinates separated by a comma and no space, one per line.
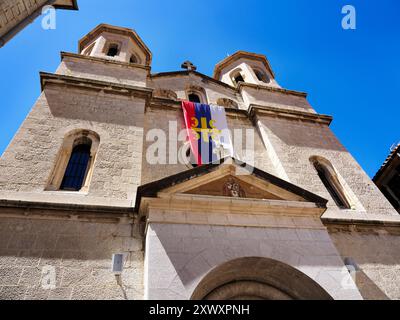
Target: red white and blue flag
(208,132)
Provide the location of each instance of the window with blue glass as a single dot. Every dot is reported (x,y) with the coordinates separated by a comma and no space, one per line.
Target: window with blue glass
(75,173)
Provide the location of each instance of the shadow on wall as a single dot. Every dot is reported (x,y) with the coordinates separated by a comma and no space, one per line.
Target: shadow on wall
(368,289)
(303,134)
(95,106)
(194,251)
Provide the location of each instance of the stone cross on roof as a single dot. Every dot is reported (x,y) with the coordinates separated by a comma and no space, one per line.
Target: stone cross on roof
(189,66)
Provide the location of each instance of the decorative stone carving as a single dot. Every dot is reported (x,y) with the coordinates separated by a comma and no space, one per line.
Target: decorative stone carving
(165,93)
(233,189)
(228,103)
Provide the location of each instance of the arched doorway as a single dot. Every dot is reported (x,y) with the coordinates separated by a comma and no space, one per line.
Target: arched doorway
(258,279)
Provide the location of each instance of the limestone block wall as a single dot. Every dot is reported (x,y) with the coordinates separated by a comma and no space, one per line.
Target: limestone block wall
(295,142)
(376,251)
(14,11)
(95,69)
(263,97)
(26,165)
(179,84)
(160,117)
(80,254)
(179,256)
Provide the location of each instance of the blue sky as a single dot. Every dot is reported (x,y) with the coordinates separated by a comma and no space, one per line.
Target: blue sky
(352,75)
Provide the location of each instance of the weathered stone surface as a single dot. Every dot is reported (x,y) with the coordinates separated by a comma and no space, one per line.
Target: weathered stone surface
(82,268)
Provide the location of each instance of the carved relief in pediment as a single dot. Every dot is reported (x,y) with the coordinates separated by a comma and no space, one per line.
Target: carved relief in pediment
(230,186)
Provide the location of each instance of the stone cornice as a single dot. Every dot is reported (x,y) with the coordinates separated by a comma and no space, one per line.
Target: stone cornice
(204,203)
(146,93)
(222,211)
(72,6)
(236,90)
(243,85)
(187,73)
(17,208)
(158,102)
(90,84)
(384,222)
(349,218)
(104,61)
(255,110)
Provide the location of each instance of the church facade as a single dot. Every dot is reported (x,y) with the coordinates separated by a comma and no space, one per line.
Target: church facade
(87,180)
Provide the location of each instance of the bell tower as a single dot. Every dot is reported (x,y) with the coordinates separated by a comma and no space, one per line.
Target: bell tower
(245,67)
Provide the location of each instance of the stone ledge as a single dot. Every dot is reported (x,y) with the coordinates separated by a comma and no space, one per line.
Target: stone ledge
(160,102)
(103,61)
(61,197)
(70,5)
(188,73)
(57,79)
(253,110)
(272,89)
(289,114)
(335,218)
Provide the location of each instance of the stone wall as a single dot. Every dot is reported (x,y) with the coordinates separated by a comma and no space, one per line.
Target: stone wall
(80,252)
(29,160)
(13,12)
(158,117)
(376,251)
(295,142)
(181,83)
(96,69)
(178,257)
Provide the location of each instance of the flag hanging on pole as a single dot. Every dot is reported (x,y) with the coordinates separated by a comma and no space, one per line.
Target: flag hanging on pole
(208,132)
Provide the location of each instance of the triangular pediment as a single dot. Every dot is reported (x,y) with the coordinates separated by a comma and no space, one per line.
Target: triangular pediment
(229,179)
(235,187)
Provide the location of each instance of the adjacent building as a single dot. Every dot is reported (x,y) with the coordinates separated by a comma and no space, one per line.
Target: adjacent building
(15,15)
(388,178)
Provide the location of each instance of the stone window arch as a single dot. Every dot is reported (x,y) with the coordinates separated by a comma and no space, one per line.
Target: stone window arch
(112,49)
(237,76)
(331,181)
(88,51)
(165,93)
(227,103)
(261,75)
(134,58)
(194,97)
(196,94)
(74,165)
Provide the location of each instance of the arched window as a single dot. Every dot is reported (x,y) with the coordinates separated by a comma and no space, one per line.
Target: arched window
(134,59)
(261,76)
(113,50)
(77,167)
(89,49)
(74,166)
(193,97)
(238,78)
(196,94)
(331,182)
